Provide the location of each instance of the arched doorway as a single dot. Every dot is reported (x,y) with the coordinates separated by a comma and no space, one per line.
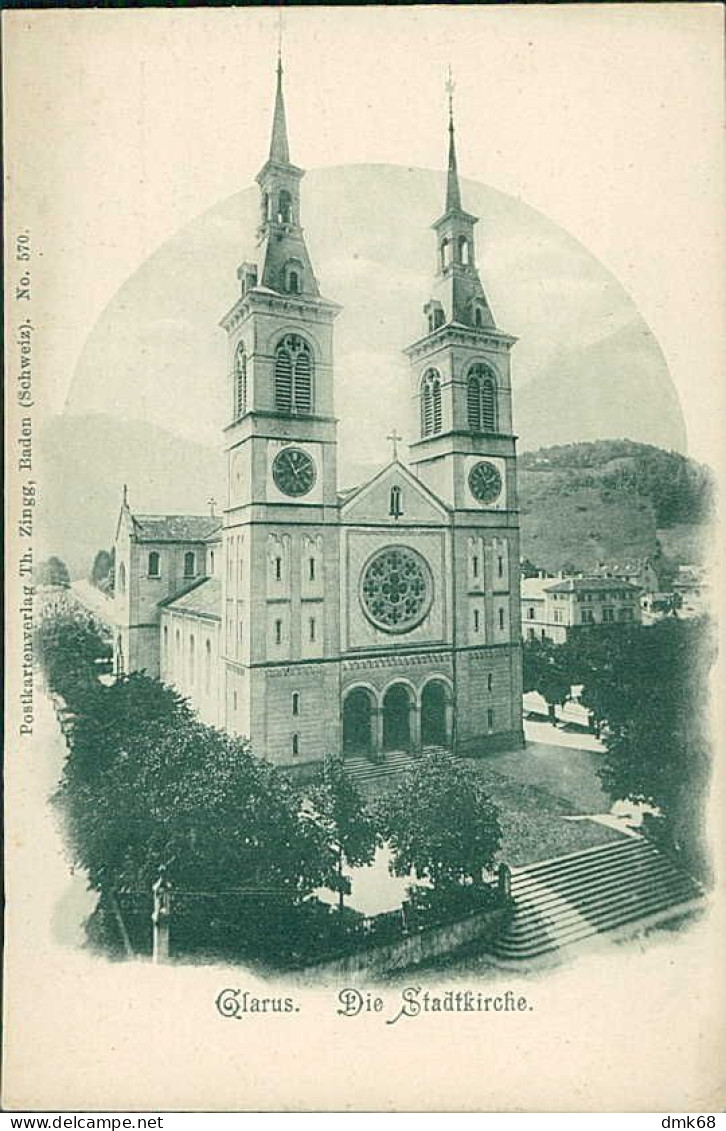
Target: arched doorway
(357,718)
(397,718)
(433,714)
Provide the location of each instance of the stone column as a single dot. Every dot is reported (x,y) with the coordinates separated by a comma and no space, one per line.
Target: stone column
(414,724)
(377,730)
(449,720)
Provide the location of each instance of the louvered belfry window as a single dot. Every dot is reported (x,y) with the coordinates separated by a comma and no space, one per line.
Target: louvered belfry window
(427,412)
(293,376)
(240,381)
(481,400)
(431,412)
(436,398)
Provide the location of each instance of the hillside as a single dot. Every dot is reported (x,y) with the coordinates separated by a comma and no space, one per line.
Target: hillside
(607,500)
(580,503)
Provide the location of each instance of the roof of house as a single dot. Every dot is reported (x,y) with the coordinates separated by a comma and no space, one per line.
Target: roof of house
(174,527)
(618,569)
(533,588)
(202,599)
(580,584)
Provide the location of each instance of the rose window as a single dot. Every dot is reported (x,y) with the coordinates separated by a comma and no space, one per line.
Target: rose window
(396,589)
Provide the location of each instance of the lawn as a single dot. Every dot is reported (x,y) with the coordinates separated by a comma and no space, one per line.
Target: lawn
(533,819)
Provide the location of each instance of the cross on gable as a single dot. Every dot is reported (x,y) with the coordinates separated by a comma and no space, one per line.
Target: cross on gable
(394,438)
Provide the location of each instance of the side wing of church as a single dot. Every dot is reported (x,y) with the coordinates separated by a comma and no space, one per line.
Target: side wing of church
(313,622)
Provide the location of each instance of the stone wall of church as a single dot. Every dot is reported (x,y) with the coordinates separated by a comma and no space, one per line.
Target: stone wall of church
(190,660)
(357,547)
(295,712)
(489,697)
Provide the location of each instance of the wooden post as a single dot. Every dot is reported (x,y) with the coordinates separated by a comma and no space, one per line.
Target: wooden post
(161,892)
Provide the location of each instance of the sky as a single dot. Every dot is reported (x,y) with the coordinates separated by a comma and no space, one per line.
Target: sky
(606,120)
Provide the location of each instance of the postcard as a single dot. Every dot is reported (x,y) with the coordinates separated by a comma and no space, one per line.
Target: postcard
(364,427)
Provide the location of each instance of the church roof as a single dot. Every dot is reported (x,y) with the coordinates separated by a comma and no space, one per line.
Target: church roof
(174,527)
(202,599)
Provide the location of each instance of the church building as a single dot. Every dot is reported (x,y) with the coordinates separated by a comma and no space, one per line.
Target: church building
(316,621)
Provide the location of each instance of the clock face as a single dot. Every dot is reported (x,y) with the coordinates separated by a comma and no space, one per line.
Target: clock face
(485,482)
(293,471)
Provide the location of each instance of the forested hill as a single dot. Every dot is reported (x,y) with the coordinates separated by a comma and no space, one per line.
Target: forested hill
(610,500)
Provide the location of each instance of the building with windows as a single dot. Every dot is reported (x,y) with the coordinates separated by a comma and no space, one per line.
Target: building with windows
(315,621)
(552,608)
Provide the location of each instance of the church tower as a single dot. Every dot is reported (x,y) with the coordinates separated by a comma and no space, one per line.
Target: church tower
(280,598)
(461,371)
(465,453)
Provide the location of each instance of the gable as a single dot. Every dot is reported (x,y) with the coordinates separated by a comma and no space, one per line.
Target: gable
(374,501)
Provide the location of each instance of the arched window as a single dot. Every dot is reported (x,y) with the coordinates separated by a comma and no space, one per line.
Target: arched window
(284,207)
(481,400)
(445,252)
(478,316)
(293,376)
(240,381)
(154,564)
(396,508)
(431,411)
(192,643)
(166,643)
(208,666)
(265,206)
(296,702)
(296,744)
(122,578)
(189,564)
(211,562)
(464,253)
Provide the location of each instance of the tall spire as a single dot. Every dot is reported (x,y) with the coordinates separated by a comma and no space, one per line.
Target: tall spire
(279,148)
(453,193)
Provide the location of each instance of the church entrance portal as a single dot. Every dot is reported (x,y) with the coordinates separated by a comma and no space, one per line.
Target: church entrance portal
(357,717)
(397,718)
(433,715)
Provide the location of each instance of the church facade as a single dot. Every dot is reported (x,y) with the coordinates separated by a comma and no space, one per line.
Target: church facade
(314,621)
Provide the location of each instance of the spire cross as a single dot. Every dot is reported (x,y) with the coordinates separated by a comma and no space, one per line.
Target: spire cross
(394,438)
(211,503)
(279,38)
(450,88)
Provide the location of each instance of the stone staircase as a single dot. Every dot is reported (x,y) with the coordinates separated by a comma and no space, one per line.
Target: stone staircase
(575,897)
(362,771)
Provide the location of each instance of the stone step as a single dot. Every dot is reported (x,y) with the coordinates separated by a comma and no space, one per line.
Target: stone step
(614,919)
(571,898)
(529,927)
(631,872)
(362,770)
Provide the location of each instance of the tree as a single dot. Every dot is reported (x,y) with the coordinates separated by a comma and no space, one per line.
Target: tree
(441,824)
(650,686)
(349,829)
(69,645)
(52,571)
(545,669)
(101,570)
(145,784)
